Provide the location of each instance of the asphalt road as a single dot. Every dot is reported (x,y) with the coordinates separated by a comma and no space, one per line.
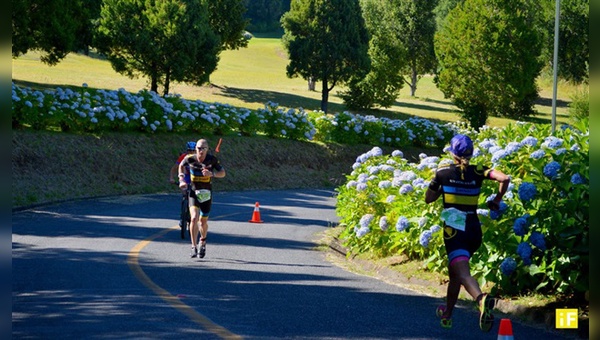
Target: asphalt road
(116,268)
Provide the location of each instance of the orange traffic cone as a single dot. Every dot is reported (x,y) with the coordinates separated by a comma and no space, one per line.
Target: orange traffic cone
(256,215)
(505,332)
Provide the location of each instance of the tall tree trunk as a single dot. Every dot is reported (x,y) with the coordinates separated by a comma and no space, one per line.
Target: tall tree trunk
(311,83)
(413,82)
(154,84)
(167,82)
(324,96)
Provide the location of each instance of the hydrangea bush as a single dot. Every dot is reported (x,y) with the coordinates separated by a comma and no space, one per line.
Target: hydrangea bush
(537,241)
(93,110)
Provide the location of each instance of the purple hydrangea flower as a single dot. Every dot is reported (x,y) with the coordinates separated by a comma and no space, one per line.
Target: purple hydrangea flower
(508,266)
(527,191)
(537,239)
(524,250)
(520,227)
(551,170)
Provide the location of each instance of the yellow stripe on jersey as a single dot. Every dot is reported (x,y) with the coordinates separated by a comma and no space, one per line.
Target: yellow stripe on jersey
(459,199)
(202,179)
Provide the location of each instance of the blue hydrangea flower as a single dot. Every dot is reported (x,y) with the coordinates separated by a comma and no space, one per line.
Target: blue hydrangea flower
(524,250)
(508,266)
(383,223)
(422,221)
(513,147)
(537,154)
(496,214)
(397,153)
(560,151)
(529,140)
(384,184)
(537,239)
(552,142)
(551,169)
(527,191)
(402,223)
(390,198)
(362,232)
(577,179)
(366,220)
(406,188)
(351,184)
(435,228)
(498,155)
(520,227)
(361,187)
(483,212)
(425,238)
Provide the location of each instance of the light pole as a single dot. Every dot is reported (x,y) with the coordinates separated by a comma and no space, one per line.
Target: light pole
(555,63)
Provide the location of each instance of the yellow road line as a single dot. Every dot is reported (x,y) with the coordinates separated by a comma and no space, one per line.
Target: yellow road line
(134,265)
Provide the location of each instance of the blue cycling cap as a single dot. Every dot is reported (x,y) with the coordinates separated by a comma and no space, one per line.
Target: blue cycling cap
(191,146)
(461,146)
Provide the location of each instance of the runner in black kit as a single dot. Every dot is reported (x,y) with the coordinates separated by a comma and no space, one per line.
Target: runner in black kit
(459,184)
(203,167)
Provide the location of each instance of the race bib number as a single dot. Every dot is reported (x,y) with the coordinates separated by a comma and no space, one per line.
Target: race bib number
(455,218)
(203,195)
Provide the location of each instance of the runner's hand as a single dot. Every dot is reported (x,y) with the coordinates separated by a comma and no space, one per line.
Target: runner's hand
(493,205)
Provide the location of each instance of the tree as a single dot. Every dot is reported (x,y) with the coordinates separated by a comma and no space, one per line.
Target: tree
(489,57)
(382,85)
(227,20)
(417,29)
(573,41)
(326,40)
(264,15)
(54,27)
(168,40)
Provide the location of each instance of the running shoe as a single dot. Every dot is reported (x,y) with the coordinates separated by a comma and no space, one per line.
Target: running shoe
(202,250)
(194,252)
(486,319)
(445,322)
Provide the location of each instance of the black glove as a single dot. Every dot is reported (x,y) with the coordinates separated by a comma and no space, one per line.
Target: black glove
(493,205)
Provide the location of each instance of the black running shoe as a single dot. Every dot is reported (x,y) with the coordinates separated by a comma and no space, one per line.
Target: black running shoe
(202,251)
(194,252)
(486,319)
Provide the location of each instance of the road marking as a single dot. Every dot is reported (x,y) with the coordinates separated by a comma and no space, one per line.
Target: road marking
(134,265)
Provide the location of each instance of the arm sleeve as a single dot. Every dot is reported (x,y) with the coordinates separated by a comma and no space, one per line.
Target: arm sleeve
(434,185)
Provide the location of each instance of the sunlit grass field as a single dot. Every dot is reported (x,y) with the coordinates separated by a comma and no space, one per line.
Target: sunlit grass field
(252,76)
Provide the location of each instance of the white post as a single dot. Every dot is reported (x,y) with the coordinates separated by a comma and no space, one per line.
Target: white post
(555,63)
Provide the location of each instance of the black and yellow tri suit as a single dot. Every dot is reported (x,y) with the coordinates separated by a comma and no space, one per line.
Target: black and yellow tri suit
(461,186)
(201,186)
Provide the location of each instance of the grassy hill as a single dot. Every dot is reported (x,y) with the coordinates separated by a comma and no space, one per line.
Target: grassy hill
(252,76)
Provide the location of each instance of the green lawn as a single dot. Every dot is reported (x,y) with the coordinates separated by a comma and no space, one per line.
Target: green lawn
(252,76)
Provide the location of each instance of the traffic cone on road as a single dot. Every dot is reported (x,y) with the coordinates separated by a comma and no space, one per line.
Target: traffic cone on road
(505,332)
(256,214)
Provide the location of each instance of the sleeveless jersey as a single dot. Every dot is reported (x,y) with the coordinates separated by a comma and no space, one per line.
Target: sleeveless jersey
(460,185)
(198,181)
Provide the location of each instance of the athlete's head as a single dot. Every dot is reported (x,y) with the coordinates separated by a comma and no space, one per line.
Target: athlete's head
(202,146)
(461,146)
(190,146)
